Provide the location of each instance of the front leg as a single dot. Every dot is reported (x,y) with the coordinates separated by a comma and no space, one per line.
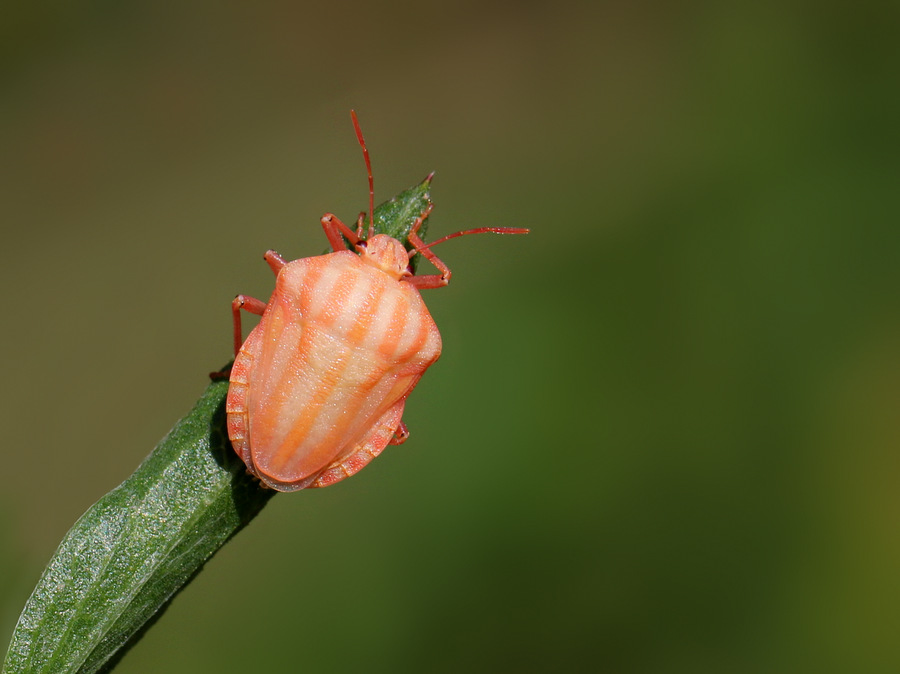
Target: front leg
(334,228)
(419,246)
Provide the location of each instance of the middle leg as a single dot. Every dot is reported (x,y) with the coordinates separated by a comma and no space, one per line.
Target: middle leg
(247,303)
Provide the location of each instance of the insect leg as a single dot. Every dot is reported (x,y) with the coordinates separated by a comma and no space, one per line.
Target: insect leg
(427,280)
(334,228)
(251,304)
(276,262)
(401,435)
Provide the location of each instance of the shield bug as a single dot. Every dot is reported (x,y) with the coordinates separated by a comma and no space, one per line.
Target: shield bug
(318,388)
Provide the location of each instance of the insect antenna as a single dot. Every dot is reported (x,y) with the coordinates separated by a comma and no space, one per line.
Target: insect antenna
(477,230)
(362,144)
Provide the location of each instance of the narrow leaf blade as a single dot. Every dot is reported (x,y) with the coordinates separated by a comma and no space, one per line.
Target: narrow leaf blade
(136,547)
(126,558)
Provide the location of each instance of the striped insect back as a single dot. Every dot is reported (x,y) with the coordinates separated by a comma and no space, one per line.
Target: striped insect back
(319,386)
(340,345)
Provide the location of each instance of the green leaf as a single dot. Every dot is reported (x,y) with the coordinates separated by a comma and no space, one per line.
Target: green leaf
(137,546)
(132,551)
(397,216)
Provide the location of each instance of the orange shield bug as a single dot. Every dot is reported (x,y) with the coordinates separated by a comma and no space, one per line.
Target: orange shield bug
(318,388)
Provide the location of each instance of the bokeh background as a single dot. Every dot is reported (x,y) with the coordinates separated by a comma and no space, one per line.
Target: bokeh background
(663,436)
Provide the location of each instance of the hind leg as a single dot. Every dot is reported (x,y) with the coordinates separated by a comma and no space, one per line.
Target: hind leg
(401,435)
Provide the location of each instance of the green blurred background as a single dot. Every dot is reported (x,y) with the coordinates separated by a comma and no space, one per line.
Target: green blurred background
(663,434)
